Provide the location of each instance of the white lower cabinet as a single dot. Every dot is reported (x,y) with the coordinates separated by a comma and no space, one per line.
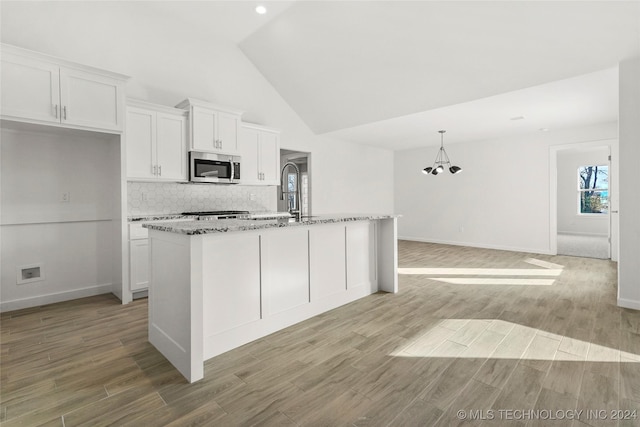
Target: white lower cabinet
(361,254)
(138,258)
(139,267)
(285,269)
(232,276)
(327,261)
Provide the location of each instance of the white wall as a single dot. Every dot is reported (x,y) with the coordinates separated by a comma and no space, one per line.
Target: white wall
(73,241)
(629,262)
(168,62)
(501,198)
(569,220)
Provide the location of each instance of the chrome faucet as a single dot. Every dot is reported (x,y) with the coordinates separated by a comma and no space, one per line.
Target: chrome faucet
(297,212)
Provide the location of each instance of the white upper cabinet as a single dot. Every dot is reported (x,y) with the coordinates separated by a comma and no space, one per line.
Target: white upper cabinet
(140,136)
(30,89)
(37,88)
(260,150)
(269,157)
(156,139)
(214,129)
(171,146)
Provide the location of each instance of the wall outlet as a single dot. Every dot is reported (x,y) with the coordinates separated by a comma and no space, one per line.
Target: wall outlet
(252,197)
(65,197)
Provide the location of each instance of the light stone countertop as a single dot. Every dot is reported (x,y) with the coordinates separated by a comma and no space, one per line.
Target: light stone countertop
(157,217)
(229,225)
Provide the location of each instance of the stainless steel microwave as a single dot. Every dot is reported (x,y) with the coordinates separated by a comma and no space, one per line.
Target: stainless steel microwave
(214,168)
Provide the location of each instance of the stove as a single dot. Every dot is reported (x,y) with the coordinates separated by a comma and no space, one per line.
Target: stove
(206,215)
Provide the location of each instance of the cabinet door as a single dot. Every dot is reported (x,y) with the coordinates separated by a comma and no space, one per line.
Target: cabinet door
(248,149)
(203,129)
(91,100)
(140,140)
(232,292)
(285,269)
(30,89)
(327,264)
(171,146)
(228,129)
(270,158)
(361,254)
(139,264)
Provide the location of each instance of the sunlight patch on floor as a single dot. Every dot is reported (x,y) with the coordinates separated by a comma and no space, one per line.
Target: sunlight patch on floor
(541,263)
(533,275)
(494,281)
(500,339)
(481,271)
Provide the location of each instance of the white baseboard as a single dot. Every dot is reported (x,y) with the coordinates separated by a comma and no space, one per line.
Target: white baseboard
(629,303)
(476,245)
(576,233)
(57,297)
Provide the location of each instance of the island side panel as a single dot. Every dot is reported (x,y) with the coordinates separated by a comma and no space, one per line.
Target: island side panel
(387,248)
(172,322)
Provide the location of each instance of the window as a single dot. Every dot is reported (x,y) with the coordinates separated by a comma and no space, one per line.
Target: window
(291,187)
(593,189)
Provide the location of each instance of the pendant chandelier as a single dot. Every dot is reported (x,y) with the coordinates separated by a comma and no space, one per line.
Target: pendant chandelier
(441,161)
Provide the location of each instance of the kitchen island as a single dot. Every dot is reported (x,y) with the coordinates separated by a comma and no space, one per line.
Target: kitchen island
(216,285)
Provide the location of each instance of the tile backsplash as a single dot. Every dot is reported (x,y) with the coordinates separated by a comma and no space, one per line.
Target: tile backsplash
(146,198)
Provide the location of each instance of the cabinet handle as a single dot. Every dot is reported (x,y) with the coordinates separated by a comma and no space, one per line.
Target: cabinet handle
(64,110)
(56,110)
(154,170)
(160,170)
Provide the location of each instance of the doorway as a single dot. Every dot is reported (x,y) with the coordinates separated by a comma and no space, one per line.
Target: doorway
(583,203)
(303,161)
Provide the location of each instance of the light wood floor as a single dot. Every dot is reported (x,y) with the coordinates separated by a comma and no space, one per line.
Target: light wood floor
(487,341)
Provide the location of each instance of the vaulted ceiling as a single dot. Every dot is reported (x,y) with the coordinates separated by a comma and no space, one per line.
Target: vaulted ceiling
(393,73)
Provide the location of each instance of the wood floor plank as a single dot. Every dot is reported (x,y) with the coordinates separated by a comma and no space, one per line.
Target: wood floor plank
(631,413)
(541,352)
(521,390)
(475,400)
(557,405)
(115,409)
(630,379)
(565,374)
(599,392)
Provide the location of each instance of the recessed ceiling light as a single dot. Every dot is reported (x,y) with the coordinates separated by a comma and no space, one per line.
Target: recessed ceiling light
(261,10)
(517,118)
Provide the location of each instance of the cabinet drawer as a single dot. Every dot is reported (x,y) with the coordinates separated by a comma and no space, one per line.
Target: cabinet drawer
(136,231)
